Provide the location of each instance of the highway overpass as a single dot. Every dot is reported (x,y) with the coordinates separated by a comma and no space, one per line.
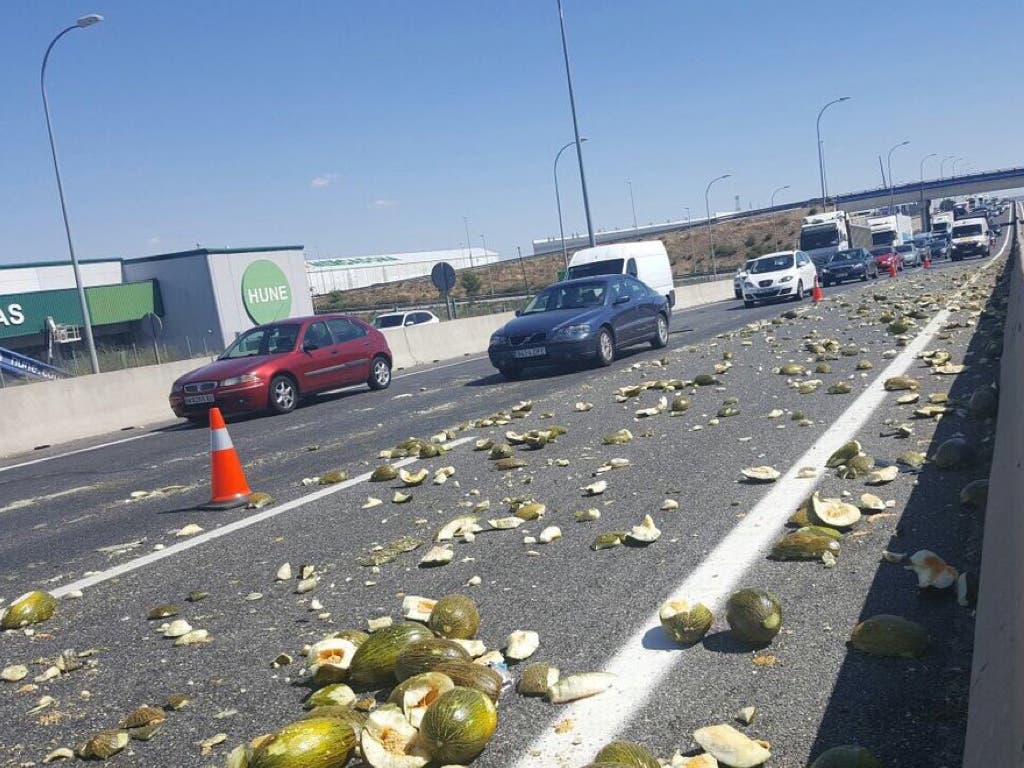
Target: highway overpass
(934,189)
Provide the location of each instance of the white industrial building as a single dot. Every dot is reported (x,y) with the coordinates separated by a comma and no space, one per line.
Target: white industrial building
(326,275)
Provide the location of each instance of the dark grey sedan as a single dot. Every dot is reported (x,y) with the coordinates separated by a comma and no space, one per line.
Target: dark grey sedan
(854,264)
(588,319)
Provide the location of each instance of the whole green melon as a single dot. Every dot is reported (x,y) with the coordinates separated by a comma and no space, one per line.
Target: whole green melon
(627,753)
(455,616)
(425,655)
(754,616)
(374,661)
(318,742)
(458,725)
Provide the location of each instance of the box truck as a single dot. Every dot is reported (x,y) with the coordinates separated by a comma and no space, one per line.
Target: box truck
(646,260)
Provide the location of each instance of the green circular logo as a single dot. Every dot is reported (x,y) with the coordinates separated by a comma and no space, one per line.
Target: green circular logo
(265,292)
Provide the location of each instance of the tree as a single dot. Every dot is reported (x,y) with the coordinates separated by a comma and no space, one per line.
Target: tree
(471,283)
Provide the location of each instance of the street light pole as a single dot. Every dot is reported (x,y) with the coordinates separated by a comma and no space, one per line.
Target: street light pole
(923,214)
(490,267)
(821,159)
(558,202)
(958,160)
(942,166)
(90,343)
(775,234)
(888,164)
(469,242)
(707,208)
(576,126)
(632,204)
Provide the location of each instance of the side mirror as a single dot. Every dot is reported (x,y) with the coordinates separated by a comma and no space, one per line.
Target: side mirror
(519,312)
(621,300)
(310,346)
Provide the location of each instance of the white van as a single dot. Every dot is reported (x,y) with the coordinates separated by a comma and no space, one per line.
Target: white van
(647,261)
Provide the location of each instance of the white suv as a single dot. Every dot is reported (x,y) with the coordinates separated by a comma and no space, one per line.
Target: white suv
(781,275)
(403,319)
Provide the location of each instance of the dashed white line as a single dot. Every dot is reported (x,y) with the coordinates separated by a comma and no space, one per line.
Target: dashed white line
(224,530)
(638,666)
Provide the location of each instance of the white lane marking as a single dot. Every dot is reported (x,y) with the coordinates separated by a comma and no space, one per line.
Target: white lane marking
(78,451)
(640,664)
(224,530)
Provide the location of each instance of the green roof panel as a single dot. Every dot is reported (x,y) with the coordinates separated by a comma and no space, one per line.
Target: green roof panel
(108,304)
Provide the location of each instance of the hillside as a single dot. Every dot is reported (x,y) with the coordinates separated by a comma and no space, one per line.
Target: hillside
(735,241)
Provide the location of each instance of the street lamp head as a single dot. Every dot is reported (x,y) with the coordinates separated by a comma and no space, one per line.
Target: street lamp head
(844,98)
(903,143)
(89,20)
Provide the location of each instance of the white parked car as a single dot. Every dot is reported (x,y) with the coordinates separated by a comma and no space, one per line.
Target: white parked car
(741,275)
(779,276)
(402,319)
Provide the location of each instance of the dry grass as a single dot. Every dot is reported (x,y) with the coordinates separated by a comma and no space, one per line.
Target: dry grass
(735,241)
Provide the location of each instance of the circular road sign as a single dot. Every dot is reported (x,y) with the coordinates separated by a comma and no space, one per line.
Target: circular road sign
(443,276)
(266,294)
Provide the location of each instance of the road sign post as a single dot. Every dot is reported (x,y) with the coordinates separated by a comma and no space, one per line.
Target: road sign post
(443,278)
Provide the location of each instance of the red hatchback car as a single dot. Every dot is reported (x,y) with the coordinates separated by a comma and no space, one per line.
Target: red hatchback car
(271,366)
(885,255)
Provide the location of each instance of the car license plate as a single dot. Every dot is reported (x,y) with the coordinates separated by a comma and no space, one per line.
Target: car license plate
(198,399)
(531,352)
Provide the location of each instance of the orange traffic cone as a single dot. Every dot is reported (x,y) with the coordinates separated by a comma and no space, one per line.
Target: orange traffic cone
(927,261)
(816,292)
(892,269)
(229,487)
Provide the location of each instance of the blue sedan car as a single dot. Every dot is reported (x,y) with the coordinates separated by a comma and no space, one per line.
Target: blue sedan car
(588,319)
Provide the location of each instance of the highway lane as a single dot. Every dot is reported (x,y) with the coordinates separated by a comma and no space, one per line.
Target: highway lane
(61,511)
(583,603)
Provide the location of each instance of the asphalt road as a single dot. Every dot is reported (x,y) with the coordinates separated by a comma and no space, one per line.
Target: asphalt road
(811,692)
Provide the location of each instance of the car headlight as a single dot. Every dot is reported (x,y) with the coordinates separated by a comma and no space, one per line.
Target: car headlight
(748,284)
(245,378)
(577,330)
(498,339)
(177,388)
(786,279)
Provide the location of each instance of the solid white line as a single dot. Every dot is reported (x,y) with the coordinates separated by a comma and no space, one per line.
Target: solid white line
(78,451)
(640,669)
(224,530)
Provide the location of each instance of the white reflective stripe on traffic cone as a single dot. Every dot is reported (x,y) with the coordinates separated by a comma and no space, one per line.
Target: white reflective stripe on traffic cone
(220,440)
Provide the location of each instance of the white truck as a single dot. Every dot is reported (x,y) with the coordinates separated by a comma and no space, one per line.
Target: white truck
(646,260)
(942,223)
(891,230)
(822,234)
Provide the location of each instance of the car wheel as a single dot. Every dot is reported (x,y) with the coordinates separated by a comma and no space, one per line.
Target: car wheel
(799,295)
(510,372)
(748,303)
(380,373)
(661,334)
(284,395)
(605,347)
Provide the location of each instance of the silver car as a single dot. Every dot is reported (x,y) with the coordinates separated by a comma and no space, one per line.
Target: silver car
(909,254)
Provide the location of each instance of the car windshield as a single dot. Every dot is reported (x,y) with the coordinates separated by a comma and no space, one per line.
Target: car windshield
(905,248)
(388,321)
(595,268)
(772,263)
(969,230)
(845,256)
(567,296)
(821,236)
(266,340)
(881,251)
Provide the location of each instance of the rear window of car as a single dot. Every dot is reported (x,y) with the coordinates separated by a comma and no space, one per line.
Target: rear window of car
(345,330)
(388,321)
(905,248)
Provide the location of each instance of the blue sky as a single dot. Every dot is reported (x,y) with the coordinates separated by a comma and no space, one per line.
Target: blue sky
(373,127)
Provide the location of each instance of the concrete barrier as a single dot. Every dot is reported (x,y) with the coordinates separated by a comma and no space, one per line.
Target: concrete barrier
(995,723)
(53,412)
(56,412)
